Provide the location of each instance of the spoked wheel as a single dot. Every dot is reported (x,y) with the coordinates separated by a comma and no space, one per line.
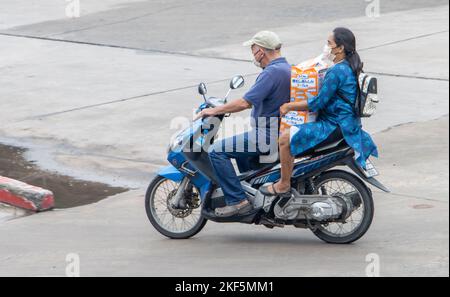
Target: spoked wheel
(348,187)
(173,223)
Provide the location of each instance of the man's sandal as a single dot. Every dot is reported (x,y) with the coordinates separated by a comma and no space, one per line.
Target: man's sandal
(233,210)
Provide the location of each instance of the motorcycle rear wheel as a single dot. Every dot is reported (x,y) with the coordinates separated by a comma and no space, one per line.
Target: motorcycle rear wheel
(341,182)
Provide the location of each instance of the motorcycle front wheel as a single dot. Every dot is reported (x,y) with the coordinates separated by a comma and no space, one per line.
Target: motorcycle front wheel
(170,222)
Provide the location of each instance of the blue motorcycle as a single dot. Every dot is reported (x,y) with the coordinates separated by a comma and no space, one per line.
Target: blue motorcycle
(335,204)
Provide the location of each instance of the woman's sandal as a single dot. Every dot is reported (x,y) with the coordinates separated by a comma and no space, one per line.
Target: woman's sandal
(265,191)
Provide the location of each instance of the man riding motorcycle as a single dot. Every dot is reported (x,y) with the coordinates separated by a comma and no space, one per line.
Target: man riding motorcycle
(268,94)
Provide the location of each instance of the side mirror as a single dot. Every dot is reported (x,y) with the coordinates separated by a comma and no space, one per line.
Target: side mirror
(237,82)
(202,89)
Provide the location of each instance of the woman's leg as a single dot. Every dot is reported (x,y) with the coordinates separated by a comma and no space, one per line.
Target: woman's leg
(287,163)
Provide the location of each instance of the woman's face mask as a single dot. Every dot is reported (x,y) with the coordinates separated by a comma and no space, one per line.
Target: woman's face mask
(328,53)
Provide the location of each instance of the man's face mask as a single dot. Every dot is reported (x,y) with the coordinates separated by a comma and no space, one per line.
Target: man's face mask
(257,61)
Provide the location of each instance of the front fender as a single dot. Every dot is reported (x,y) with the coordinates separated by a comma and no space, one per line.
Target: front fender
(177,176)
(171,173)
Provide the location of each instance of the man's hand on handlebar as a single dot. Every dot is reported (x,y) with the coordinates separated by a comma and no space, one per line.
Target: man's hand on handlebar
(231,107)
(208,112)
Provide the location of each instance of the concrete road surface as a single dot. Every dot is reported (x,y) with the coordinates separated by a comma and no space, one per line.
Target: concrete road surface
(95,97)
(409,234)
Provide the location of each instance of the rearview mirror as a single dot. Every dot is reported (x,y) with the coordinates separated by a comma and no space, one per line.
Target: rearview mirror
(202,89)
(237,82)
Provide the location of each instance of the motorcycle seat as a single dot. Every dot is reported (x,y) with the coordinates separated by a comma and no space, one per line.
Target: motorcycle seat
(326,147)
(261,163)
(329,146)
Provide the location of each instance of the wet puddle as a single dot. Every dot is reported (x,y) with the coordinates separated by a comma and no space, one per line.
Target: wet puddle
(68,192)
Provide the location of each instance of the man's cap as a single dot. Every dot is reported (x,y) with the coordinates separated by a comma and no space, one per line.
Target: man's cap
(265,39)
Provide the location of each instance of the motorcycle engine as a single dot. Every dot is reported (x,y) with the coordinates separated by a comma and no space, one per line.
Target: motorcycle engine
(314,207)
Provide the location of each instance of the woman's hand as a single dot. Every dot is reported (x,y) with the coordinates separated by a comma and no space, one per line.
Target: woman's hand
(293,106)
(285,108)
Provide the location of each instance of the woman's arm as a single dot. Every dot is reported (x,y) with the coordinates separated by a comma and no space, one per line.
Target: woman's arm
(293,106)
(330,86)
(314,104)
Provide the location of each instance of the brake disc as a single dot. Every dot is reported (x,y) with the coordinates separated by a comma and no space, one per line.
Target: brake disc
(179,213)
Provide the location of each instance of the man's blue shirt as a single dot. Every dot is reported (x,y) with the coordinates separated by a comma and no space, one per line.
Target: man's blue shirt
(271,90)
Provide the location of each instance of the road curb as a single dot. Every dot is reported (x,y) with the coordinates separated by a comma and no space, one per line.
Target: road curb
(25,196)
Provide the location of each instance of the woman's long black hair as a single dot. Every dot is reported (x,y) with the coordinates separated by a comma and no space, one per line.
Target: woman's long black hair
(345,37)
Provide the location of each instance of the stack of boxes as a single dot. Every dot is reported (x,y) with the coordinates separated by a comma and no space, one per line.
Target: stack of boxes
(306,81)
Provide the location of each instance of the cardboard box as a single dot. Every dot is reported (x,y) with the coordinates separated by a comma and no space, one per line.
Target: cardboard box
(306,81)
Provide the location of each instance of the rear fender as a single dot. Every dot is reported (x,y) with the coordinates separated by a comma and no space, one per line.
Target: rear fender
(351,163)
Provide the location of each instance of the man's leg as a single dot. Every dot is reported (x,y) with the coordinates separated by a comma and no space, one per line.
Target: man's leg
(220,155)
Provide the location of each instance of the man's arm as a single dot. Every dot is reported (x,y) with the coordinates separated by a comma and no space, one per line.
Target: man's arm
(231,107)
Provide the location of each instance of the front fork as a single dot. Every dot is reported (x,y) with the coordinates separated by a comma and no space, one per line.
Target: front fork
(178,202)
(175,175)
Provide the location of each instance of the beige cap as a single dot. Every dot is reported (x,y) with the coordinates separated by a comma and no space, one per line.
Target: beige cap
(266,39)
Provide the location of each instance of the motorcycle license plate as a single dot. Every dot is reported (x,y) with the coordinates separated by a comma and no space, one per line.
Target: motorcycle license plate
(370,170)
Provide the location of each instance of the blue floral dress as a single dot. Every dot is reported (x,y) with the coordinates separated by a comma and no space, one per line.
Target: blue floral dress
(333,113)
